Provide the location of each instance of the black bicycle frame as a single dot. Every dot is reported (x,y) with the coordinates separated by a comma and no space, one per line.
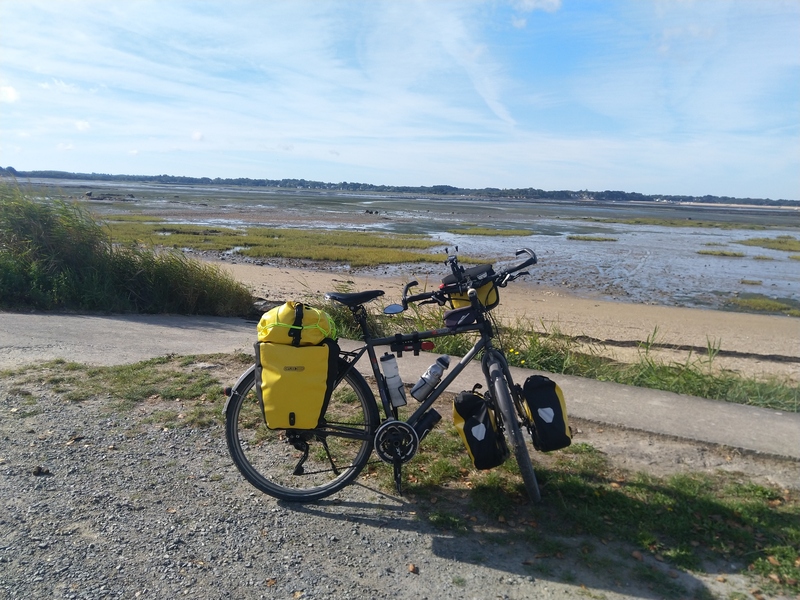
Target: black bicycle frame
(409,342)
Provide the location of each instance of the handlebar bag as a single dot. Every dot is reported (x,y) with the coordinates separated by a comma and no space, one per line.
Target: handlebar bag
(482,278)
(295,321)
(548,412)
(296,365)
(475,422)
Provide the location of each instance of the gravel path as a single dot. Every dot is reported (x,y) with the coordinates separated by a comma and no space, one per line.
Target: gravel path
(102,505)
(99,502)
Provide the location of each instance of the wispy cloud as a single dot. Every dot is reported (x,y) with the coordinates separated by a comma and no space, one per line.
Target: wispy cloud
(524,93)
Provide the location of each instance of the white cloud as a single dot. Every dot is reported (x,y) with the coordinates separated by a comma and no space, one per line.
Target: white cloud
(60,86)
(8,94)
(198,136)
(65,147)
(82,125)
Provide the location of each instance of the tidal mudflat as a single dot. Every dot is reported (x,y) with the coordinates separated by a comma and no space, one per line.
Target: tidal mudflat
(582,246)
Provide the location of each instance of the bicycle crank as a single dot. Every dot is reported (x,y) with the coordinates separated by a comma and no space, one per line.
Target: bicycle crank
(396,442)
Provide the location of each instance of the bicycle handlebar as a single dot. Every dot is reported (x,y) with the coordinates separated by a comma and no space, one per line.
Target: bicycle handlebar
(463,284)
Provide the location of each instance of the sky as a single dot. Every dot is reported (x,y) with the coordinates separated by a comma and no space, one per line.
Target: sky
(652,96)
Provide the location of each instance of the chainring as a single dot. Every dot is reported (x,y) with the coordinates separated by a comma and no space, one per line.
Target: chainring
(396,441)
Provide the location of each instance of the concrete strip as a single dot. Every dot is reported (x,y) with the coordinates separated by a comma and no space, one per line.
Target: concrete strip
(738,426)
(27,338)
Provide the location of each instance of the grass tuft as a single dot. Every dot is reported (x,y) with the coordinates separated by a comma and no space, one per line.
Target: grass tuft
(355,248)
(787,243)
(761,303)
(723,253)
(591,238)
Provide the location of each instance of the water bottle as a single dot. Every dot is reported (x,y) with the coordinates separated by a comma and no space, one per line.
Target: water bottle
(397,393)
(426,423)
(430,379)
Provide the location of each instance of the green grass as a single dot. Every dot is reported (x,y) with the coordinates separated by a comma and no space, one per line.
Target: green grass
(55,255)
(761,303)
(591,238)
(686,519)
(556,353)
(723,253)
(166,379)
(787,243)
(354,248)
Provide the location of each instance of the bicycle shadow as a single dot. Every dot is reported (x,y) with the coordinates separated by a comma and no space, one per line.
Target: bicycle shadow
(525,551)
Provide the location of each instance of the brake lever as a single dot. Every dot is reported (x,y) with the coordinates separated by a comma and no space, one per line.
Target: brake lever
(431,301)
(509,278)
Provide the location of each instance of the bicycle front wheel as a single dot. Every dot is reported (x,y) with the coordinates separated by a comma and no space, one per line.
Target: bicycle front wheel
(511,424)
(303,465)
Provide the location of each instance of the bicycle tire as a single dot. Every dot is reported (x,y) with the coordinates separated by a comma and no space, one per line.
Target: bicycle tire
(267,459)
(510,421)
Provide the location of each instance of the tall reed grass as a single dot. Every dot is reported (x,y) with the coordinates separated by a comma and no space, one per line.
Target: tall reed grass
(55,255)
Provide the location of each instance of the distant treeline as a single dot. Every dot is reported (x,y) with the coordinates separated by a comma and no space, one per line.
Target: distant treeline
(437,190)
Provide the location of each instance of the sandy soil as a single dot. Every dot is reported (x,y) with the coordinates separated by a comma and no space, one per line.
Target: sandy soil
(756,345)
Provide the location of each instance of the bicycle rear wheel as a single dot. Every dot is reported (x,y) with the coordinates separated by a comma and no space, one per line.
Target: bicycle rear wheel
(271,459)
(511,424)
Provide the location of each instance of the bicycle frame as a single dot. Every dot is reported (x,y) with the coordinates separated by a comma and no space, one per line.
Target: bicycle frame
(407,342)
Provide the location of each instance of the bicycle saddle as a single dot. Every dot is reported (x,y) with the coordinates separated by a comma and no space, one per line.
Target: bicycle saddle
(355,298)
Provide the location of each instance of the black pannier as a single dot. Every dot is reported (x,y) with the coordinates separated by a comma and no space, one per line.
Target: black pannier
(476,424)
(545,402)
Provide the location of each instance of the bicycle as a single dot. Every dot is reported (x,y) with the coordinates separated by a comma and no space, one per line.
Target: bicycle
(307,465)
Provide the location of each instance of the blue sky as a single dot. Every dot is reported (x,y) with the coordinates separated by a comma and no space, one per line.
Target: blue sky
(667,96)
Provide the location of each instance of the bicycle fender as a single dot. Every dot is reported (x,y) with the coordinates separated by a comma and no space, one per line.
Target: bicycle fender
(242,377)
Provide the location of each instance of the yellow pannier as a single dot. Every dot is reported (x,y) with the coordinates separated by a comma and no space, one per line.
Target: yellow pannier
(294,383)
(296,365)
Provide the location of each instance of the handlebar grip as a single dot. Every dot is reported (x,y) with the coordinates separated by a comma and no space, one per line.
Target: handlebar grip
(418,297)
(531,260)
